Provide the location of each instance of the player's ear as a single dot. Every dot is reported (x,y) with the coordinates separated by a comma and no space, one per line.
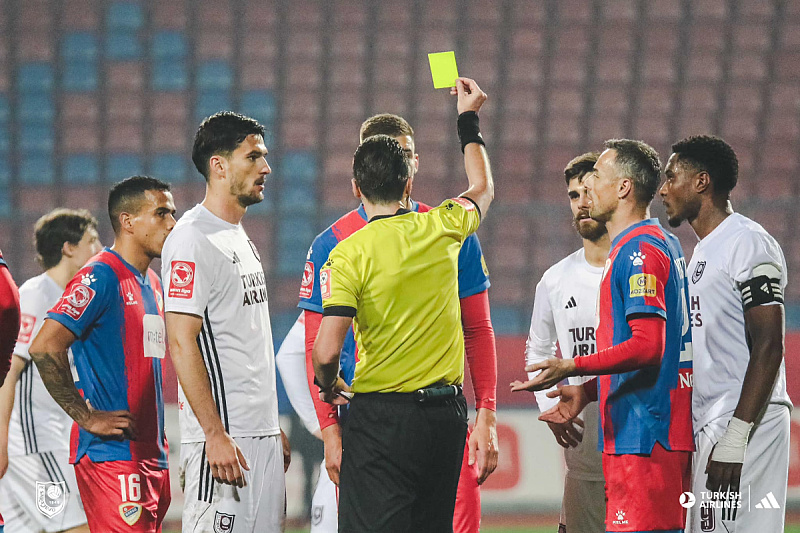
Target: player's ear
(624,188)
(216,165)
(702,182)
(356,190)
(409,186)
(125,222)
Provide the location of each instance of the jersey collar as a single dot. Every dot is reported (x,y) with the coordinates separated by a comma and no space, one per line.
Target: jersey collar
(645,222)
(400,211)
(144,280)
(363,214)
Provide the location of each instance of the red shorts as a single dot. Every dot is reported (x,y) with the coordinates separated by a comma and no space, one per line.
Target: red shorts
(643,491)
(123,496)
(467,517)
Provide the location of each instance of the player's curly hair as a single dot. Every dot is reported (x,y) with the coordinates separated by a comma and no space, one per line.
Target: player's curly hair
(638,161)
(385,124)
(55,228)
(220,134)
(713,155)
(381,169)
(580,166)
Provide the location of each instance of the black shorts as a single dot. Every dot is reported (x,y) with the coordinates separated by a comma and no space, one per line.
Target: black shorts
(401,461)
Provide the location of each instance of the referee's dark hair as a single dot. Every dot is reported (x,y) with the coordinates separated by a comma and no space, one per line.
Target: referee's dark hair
(712,155)
(220,134)
(57,227)
(381,169)
(638,161)
(127,196)
(580,166)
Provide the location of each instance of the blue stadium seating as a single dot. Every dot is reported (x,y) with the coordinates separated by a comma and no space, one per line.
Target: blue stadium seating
(121,166)
(35,137)
(295,234)
(5,139)
(124,16)
(36,107)
(37,169)
(81,168)
(123,45)
(214,75)
(5,202)
(170,167)
(80,46)
(169,45)
(210,102)
(4,109)
(260,105)
(298,167)
(34,77)
(5,170)
(170,75)
(80,76)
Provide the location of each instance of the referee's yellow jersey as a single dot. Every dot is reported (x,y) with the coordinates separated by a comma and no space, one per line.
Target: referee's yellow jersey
(400,275)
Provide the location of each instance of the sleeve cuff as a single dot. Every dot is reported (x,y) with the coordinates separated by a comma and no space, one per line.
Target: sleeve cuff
(340,310)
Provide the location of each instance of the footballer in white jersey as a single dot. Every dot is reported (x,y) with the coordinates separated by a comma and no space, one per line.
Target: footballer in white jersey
(564,314)
(38,490)
(291,361)
(740,405)
(233,452)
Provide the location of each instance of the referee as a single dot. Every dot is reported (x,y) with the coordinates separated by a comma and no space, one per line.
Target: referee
(396,282)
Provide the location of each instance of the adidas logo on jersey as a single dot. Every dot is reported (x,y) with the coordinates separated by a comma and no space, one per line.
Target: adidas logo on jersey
(769,502)
(236,259)
(571,303)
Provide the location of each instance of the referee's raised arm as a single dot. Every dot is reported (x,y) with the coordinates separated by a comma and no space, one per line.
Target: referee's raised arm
(476,161)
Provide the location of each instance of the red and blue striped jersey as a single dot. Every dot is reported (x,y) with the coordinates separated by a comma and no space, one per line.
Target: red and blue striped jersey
(646,275)
(117,316)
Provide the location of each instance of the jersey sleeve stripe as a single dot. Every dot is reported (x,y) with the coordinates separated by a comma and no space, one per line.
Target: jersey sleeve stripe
(218,370)
(26,409)
(205,351)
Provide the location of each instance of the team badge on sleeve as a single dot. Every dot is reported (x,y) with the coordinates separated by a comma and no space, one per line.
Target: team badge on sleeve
(643,286)
(307,287)
(130,512)
(26,324)
(325,283)
(50,498)
(181,280)
(74,303)
(465,203)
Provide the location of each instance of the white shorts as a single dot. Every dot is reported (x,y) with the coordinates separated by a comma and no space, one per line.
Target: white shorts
(61,507)
(324,505)
(259,507)
(583,509)
(765,477)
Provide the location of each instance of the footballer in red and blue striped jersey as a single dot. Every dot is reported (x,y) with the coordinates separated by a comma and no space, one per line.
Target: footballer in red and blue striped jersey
(117,317)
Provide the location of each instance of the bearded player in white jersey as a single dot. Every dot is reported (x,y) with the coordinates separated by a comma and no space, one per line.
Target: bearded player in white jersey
(233,452)
(564,313)
(740,404)
(34,430)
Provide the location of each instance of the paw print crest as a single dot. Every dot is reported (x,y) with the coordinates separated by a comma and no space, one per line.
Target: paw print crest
(87,279)
(638,258)
(620,515)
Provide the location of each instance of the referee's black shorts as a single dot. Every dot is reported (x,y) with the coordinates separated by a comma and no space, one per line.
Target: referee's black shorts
(401,461)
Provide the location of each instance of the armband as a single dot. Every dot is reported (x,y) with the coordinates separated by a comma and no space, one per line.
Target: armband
(763,288)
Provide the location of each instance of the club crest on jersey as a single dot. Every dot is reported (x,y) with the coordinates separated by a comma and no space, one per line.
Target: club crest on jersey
(130,512)
(26,324)
(74,303)
(255,250)
(307,287)
(643,285)
(638,258)
(181,279)
(51,497)
(325,283)
(223,522)
(698,271)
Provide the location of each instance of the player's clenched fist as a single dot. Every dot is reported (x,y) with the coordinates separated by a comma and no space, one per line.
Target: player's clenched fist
(225,459)
(470,96)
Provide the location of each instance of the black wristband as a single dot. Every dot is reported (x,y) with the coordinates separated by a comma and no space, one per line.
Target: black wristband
(469,131)
(321,388)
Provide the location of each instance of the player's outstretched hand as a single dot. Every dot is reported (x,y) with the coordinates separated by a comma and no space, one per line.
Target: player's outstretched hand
(573,400)
(470,96)
(225,459)
(332,441)
(567,434)
(483,446)
(722,477)
(553,370)
(114,424)
(287,451)
(338,394)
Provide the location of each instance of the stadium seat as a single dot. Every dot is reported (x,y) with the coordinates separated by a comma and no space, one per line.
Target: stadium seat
(125,76)
(170,137)
(213,44)
(5,202)
(170,167)
(121,166)
(349,43)
(34,77)
(123,45)
(710,9)
(258,74)
(124,16)
(5,145)
(36,169)
(259,104)
(81,46)
(4,109)
(79,137)
(301,133)
(5,168)
(169,15)
(169,75)
(82,15)
(169,45)
(298,167)
(125,107)
(36,107)
(81,168)
(79,76)
(125,137)
(296,231)
(214,75)
(210,102)
(35,137)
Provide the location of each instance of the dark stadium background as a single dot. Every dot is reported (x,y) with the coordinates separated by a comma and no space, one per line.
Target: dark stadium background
(94,91)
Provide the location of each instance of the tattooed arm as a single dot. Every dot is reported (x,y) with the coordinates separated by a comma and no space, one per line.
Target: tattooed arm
(49,351)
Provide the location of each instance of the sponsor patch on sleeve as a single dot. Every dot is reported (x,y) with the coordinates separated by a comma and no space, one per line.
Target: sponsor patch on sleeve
(26,325)
(181,280)
(643,285)
(307,287)
(325,283)
(75,302)
(465,203)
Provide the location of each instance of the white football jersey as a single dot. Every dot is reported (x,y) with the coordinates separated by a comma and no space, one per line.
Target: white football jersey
(721,261)
(211,269)
(38,423)
(291,361)
(564,313)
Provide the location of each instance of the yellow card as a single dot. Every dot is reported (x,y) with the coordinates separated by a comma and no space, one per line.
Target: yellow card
(443,69)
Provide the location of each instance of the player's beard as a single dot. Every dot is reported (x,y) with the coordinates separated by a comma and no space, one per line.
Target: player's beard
(591,230)
(245,195)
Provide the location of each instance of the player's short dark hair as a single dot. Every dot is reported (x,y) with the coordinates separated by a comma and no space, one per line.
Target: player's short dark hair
(638,161)
(713,155)
(580,166)
(381,169)
(55,228)
(127,195)
(220,134)
(385,124)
